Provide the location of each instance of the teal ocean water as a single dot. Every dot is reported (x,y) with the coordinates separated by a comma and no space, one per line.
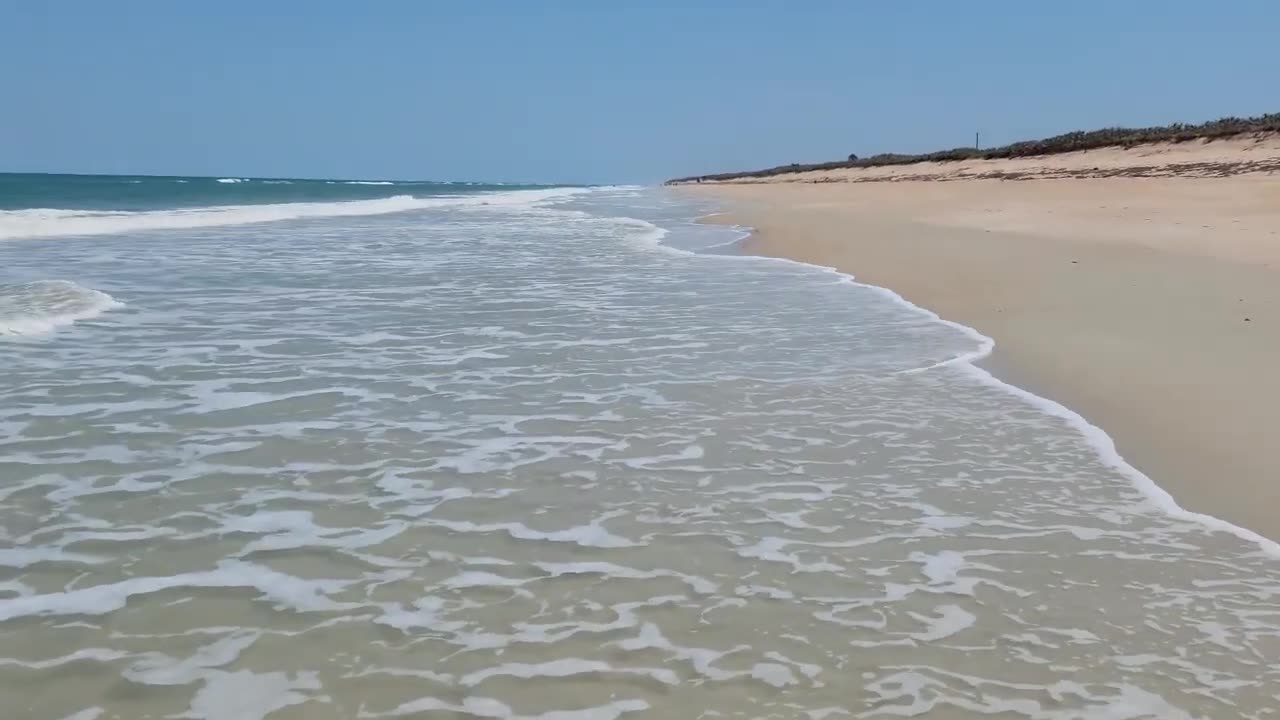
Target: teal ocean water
(35,205)
(138,193)
(555,454)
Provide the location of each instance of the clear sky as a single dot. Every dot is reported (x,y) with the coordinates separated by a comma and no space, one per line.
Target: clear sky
(597,90)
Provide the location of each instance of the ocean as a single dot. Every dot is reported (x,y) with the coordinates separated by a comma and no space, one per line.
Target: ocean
(312,449)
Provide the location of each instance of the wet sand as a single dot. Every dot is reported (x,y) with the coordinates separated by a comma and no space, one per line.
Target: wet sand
(1149,305)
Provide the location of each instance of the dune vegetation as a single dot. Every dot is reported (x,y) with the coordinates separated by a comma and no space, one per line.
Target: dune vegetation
(1064,143)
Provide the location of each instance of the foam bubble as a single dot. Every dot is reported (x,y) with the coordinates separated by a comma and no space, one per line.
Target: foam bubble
(591,535)
(941,568)
(40,307)
(92,713)
(101,599)
(563,667)
(245,695)
(481,707)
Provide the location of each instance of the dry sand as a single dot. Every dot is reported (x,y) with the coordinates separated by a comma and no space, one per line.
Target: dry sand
(1257,153)
(1150,305)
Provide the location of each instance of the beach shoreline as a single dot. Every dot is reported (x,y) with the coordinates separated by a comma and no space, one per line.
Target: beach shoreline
(1096,295)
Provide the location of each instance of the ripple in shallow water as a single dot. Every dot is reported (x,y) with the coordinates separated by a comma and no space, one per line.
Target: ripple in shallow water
(518,462)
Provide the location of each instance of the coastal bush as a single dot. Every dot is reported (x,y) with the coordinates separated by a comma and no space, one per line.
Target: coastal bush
(1064,143)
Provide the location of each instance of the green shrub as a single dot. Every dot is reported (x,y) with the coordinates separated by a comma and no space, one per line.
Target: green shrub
(1064,143)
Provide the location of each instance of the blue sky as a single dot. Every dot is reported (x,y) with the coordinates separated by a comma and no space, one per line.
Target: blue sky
(597,91)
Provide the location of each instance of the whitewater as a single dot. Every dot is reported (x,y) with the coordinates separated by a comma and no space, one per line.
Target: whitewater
(561,453)
(60,222)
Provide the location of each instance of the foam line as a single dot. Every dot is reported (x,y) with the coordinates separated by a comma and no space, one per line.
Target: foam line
(1102,444)
(43,306)
(56,222)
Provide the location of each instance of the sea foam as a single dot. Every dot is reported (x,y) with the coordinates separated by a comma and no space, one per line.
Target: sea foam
(969,362)
(40,307)
(55,222)
(535,460)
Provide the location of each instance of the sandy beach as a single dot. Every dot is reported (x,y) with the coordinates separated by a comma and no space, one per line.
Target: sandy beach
(1138,287)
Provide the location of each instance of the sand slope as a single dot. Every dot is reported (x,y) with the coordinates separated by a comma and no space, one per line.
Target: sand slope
(1256,153)
(1149,305)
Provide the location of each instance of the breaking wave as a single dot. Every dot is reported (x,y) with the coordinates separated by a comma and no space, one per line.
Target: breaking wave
(40,307)
(54,222)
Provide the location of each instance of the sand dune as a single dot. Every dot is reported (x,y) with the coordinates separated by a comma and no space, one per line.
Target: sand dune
(1258,153)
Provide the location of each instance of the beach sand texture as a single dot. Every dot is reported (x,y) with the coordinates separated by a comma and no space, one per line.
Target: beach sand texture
(1150,304)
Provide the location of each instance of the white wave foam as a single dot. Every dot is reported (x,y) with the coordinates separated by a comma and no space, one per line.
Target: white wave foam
(590,535)
(92,713)
(285,590)
(564,667)
(483,707)
(1096,437)
(40,307)
(229,181)
(368,182)
(246,695)
(55,222)
(1102,443)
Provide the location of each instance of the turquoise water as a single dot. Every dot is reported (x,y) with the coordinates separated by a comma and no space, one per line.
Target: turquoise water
(20,191)
(44,206)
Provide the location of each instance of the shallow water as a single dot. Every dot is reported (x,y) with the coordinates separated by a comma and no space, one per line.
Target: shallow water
(534,459)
